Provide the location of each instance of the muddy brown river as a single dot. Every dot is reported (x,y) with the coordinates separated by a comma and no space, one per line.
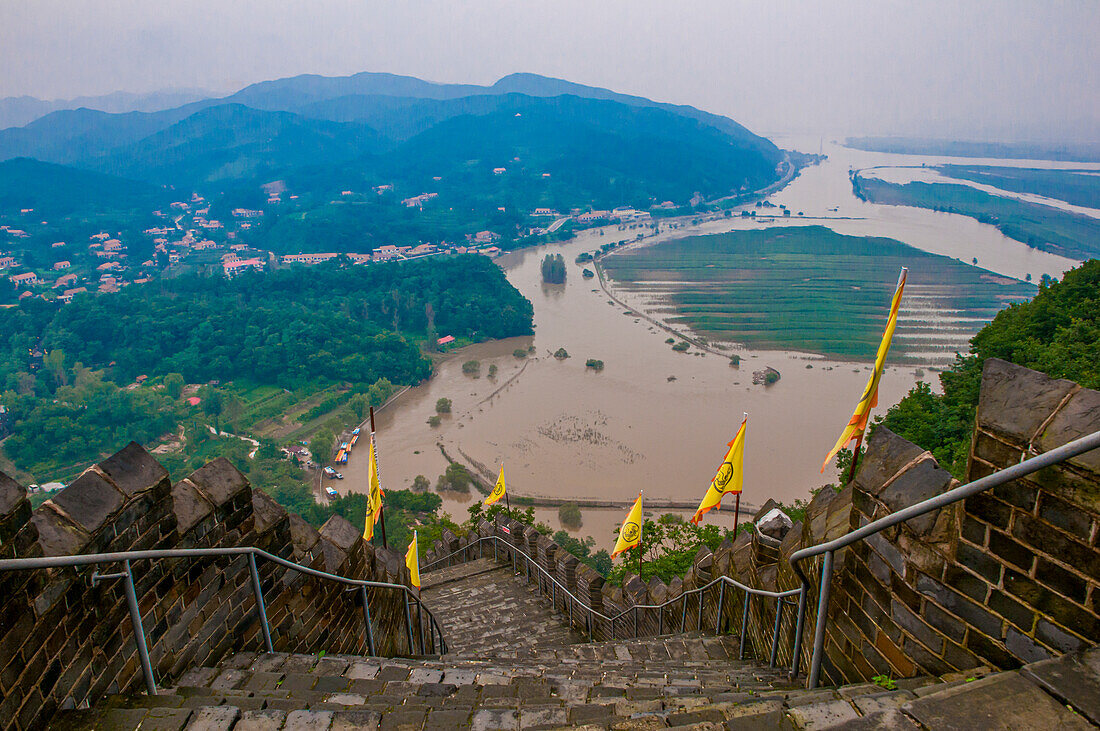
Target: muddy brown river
(655,419)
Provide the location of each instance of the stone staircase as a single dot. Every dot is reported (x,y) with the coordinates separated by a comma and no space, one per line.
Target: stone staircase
(486,611)
(513,665)
(677,682)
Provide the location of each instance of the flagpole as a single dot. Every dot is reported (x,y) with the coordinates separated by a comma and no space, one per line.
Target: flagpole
(855,457)
(641,522)
(382,508)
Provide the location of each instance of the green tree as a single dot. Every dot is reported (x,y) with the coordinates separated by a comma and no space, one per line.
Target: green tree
(358,405)
(173,385)
(321,446)
(443,406)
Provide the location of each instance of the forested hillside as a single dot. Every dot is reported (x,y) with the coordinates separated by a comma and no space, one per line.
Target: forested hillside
(1057,333)
(64,370)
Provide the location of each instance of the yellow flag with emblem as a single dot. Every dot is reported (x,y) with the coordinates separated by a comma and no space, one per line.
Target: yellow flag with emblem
(858,423)
(374,494)
(630,534)
(729,478)
(412,560)
(498,490)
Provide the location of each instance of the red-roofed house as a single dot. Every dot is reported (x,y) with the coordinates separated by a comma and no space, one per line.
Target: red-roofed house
(233,268)
(445,339)
(61,265)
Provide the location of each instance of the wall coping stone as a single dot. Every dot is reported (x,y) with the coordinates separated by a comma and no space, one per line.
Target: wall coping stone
(219,481)
(340,533)
(88,501)
(11,494)
(1015,401)
(58,536)
(266,511)
(1079,416)
(189,505)
(133,470)
(887,453)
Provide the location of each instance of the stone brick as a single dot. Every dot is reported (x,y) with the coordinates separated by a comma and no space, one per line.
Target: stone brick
(916,627)
(267,512)
(1057,544)
(992,511)
(1066,516)
(959,605)
(1014,401)
(1011,551)
(966,583)
(1064,582)
(974,531)
(1056,637)
(1012,610)
(979,562)
(924,480)
(1024,647)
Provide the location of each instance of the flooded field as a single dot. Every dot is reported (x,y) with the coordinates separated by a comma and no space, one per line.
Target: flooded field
(655,419)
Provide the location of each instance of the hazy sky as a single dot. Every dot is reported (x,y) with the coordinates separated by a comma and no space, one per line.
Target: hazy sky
(996,68)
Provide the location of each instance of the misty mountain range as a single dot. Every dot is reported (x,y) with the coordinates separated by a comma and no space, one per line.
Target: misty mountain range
(329,131)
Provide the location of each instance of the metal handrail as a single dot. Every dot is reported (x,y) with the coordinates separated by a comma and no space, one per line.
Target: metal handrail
(126,557)
(1060,454)
(781,597)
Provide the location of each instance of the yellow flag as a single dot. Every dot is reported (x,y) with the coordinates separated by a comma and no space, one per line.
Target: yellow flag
(374,494)
(498,490)
(858,423)
(412,560)
(630,534)
(729,477)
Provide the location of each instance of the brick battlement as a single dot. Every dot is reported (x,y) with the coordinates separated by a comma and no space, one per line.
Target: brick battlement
(65,643)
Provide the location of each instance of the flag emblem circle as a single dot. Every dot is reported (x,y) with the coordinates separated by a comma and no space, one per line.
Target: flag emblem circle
(498,490)
(722,479)
(631,531)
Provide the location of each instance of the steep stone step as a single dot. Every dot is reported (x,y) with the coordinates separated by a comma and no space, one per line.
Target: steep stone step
(283,691)
(485,610)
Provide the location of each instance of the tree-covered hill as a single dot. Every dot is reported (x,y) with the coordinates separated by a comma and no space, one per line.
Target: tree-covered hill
(1057,333)
(60,190)
(68,372)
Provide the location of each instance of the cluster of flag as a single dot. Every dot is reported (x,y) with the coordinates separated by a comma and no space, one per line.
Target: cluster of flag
(728,480)
(730,476)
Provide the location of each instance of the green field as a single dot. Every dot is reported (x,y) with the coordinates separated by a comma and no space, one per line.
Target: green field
(1079,187)
(808,288)
(1038,226)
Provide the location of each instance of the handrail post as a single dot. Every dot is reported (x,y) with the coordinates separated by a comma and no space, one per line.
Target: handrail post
(798,624)
(261,607)
(660,620)
(683,613)
(775,631)
(744,628)
(721,599)
(589,623)
(139,631)
(408,624)
(822,618)
(366,620)
(635,621)
(420,625)
(702,596)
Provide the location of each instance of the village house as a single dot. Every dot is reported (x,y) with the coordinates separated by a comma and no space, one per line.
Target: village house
(203,245)
(68,294)
(234,268)
(57,245)
(101,236)
(6,262)
(422,250)
(592,216)
(61,265)
(544,212)
(112,245)
(499,171)
(247,213)
(387,252)
(64,280)
(25,279)
(485,237)
(380,189)
(108,266)
(307,258)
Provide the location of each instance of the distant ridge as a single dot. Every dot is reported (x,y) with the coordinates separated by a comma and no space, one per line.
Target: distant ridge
(16,111)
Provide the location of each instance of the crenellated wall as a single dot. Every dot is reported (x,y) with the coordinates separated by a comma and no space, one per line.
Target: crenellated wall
(1005,578)
(65,642)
